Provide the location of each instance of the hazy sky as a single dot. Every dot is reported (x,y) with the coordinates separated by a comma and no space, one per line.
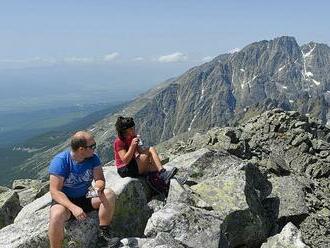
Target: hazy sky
(45,32)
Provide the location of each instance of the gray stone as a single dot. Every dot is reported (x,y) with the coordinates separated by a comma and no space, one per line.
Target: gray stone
(162,240)
(9,206)
(278,165)
(133,242)
(29,211)
(290,237)
(28,189)
(291,199)
(132,212)
(193,227)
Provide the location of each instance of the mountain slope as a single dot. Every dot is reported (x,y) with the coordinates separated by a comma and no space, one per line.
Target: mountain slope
(263,75)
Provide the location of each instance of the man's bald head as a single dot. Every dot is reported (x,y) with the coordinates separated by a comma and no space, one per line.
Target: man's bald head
(80,139)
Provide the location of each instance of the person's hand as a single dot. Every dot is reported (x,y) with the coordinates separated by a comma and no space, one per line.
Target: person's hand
(79,213)
(135,142)
(99,186)
(100,190)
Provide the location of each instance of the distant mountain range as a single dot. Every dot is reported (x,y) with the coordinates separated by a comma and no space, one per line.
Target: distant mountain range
(231,87)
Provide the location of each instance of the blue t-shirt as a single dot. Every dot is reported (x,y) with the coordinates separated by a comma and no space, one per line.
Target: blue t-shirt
(77,176)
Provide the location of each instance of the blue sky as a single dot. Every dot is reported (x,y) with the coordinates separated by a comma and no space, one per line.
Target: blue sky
(44,32)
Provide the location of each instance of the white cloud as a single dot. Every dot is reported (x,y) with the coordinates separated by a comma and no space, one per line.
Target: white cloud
(207,59)
(78,60)
(174,57)
(234,50)
(28,60)
(111,56)
(138,59)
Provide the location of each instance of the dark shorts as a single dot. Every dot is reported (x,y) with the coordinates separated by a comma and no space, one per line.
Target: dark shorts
(83,202)
(130,170)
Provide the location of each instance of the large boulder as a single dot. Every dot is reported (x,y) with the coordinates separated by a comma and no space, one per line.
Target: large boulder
(9,206)
(222,183)
(291,204)
(32,231)
(132,211)
(192,227)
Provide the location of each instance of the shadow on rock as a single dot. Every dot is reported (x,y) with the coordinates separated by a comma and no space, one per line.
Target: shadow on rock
(250,227)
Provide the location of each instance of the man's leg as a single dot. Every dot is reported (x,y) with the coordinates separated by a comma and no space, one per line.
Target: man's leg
(58,216)
(106,205)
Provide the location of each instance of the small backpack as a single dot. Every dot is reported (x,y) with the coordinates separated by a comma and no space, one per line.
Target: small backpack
(157,184)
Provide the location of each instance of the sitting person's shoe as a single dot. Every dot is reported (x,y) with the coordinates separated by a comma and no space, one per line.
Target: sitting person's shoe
(180,180)
(166,175)
(104,239)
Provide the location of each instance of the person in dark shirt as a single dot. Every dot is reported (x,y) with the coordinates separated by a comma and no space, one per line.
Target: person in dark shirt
(131,159)
(71,175)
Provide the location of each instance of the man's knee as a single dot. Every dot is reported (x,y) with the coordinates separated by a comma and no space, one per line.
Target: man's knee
(58,214)
(110,195)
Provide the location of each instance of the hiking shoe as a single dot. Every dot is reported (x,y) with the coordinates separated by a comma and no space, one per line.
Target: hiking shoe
(104,239)
(166,175)
(180,180)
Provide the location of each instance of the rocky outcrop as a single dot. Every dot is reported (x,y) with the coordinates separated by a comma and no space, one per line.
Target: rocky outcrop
(28,190)
(245,184)
(188,225)
(291,150)
(9,206)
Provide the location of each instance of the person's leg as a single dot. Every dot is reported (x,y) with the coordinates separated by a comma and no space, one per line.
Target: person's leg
(154,158)
(165,175)
(57,218)
(144,164)
(149,161)
(106,205)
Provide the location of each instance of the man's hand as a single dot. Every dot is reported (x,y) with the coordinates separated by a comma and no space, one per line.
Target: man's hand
(79,213)
(99,186)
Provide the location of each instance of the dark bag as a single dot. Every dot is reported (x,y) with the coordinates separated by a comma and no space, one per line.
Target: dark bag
(157,184)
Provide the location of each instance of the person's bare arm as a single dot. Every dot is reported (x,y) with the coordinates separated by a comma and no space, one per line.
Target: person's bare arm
(126,156)
(55,187)
(99,178)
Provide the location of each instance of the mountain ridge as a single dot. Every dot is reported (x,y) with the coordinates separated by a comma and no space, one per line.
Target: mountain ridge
(261,76)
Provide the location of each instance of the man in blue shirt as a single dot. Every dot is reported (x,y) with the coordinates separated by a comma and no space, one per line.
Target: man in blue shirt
(71,174)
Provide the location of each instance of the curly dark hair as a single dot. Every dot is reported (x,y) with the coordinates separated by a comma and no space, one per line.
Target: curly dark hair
(122,124)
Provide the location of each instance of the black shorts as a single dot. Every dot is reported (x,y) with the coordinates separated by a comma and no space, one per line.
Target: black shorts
(83,202)
(130,170)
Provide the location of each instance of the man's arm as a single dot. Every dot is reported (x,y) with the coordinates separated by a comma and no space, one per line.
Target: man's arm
(99,178)
(55,187)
